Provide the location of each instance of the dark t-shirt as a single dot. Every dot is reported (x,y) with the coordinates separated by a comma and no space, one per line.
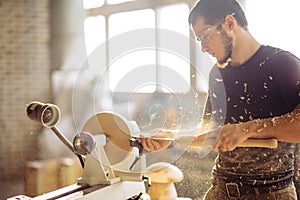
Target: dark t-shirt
(267,85)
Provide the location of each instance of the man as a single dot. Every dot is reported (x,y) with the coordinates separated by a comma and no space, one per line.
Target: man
(262,88)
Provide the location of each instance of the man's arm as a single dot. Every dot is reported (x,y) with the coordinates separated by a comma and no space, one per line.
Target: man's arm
(285,128)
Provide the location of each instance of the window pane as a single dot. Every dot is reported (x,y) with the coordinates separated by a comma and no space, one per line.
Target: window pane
(126,56)
(92,3)
(277,25)
(134,72)
(117,1)
(127,21)
(174,18)
(94,32)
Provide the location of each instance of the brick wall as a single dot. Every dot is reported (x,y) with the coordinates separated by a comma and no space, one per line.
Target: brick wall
(24,77)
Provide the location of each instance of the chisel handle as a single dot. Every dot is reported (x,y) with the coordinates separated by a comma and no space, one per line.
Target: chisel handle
(263,143)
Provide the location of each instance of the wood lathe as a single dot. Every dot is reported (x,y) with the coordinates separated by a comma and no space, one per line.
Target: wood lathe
(113,166)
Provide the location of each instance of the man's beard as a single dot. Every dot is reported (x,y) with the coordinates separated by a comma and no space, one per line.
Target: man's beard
(227,41)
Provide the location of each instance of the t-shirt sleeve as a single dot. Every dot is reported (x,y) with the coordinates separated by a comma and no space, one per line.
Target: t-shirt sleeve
(216,102)
(286,70)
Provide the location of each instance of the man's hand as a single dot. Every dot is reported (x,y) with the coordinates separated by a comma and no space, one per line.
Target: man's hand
(231,136)
(153,142)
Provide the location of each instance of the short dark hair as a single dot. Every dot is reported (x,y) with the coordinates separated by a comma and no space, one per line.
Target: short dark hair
(213,11)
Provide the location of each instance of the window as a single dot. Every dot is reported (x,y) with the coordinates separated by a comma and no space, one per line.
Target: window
(157,22)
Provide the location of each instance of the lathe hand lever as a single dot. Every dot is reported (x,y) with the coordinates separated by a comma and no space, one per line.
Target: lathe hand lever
(135,143)
(134,162)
